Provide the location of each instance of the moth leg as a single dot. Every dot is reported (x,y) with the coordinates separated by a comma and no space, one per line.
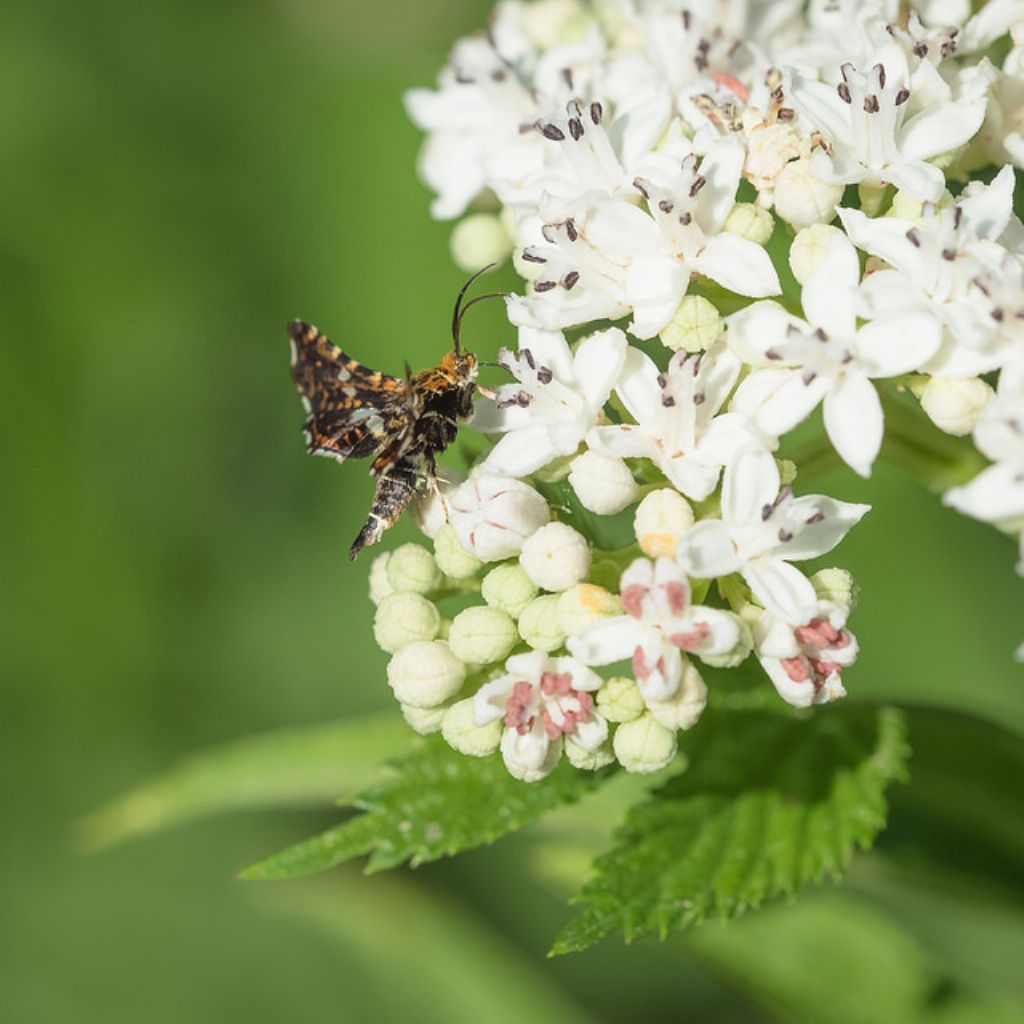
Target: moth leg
(433,481)
(395,486)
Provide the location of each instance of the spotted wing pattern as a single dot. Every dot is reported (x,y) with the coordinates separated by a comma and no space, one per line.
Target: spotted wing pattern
(354,412)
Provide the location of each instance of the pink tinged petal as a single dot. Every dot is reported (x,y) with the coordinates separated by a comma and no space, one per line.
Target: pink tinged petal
(609,641)
(736,263)
(781,588)
(816,524)
(633,599)
(898,344)
(706,632)
(522,451)
(940,128)
(598,364)
(721,170)
(853,421)
(799,694)
(886,238)
(916,178)
(638,386)
(988,211)
(690,639)
(791,401)
(829,293)
(751,481)
(657,671)
(706,550)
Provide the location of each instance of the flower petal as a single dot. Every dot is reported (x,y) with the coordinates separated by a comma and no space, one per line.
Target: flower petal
(598,363)
(751,482)
(898,344)
(939,129)
(609,641)
(817,524)
(830,291)
(638,385)
(522,451)
(886,238)
(853,421)
(736,263)
(781,588)
(707,551)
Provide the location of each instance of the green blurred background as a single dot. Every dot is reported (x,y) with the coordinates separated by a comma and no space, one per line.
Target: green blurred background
(182,178)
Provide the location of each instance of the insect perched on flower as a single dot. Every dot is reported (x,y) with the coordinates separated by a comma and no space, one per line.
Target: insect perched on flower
(356,412)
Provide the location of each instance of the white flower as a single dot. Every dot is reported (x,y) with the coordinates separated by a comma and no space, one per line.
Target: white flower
(659,624)
(949,265)
(828,358)
(493,514)
(558,397)
(556,557)
(676,423)
(541,700)
(762,530)
(610,256)
(872,140)
(805,662)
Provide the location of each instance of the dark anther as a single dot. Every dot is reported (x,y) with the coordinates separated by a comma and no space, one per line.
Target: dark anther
(698,183)
(685,219)
(766,512)
(770,353)
(921,49)
(543,286)
(845,70)
(871,105)
(666,205)
(570,230)
(641,186)
(570,279)
(914,237)
(949,254)
(809,377)
(596,112)
(662,380)
(687,18)
(785,535)
(997,315)
(957,214)
(522,399)
(528,356)
(818,517)
(532,257)
(844,92)
(785,114)
(880,69)
(668,401)
(552,132)
(821,335)
(902,96)
(498,75)
(576,129)
(699,398)
(544,375)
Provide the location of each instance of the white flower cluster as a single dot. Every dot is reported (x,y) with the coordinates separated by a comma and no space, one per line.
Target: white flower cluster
(687,171)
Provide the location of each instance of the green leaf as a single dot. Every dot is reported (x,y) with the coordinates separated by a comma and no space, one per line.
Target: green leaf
(770,803)
(290,767)
(435,803)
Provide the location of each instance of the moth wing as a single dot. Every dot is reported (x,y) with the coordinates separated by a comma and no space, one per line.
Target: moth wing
(353,411)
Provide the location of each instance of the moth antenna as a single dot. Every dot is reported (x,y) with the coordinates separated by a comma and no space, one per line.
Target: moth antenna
(457,314)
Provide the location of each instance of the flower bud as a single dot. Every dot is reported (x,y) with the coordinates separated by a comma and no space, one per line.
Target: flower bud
(482,635)
(452,559)
(750,221)
(787,471)
(461,732)
(426,721)
(380,587)
(603,483)
(802,199)
(809,248)
(620,700)
(661,520)
(644,746)
(478,240)
(538,623)
(905,206)
(430,507)
(955,405)
(588,760)
(493,514)
(508,589)
(738,655)
(403,619)
(556,557)
(837,586)
(425,674)
(550,22)
(583,605)
(414,569)
(685,706)
(695,325)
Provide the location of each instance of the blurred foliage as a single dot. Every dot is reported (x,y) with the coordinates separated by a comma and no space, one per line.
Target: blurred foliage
(182,178)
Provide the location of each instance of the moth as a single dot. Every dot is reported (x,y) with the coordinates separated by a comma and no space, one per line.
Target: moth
(403,424)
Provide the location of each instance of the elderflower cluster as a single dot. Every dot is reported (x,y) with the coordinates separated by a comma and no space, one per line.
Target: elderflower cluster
(743,212)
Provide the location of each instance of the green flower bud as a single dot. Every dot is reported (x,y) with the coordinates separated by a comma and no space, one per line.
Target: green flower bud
(414,569)
(482,635)
(583,605)
(508,589)
(538,624)
(588,760)
(685,706)
(750,221)
(461,732)
(452,559)
(380,586)
(426,721)
(620,700)
(695,325)
(477,240)
(837,586)
(425,674)
(809,248)
(403,619)
(644,746)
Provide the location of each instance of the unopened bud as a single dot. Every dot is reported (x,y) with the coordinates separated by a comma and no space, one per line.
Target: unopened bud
(414,569)
(452,559)
(620,699)
(556,557)
(809,249)
(425,674)
(493,514)
(478,240)
(482,635)
(585,604)
(750,221)
(403,619)
(508,588)
(461,732)
(661,520)
(742,648)
(955,405)
(426,721)
(644,745)
(538,623)
(603,483)
(802,198)
(588,760)
(685,706)
(837,586)
(380,587)
(695,325)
